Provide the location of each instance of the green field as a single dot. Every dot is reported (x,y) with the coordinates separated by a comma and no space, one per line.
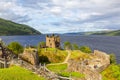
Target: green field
(18,73)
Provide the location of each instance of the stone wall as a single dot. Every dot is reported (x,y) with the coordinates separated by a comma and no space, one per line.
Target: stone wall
(74,66)
(104,58)
(31,55)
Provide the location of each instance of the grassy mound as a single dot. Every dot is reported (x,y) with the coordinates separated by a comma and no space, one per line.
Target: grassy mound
(77,54)
(18,73)
(52,54)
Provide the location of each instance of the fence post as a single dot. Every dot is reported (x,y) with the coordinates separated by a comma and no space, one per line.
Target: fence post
(5,63)
(39,65)
(44,66)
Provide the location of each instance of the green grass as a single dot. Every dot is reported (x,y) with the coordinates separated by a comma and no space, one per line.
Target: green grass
(77,54)
(18,73)
(111,73)
(72,74)
(61,69)
(54,55)
(57,67)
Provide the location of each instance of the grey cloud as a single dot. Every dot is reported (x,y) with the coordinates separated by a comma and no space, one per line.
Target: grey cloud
(94,18)
(56,23)
(22,19)
(73,16)
(7,14)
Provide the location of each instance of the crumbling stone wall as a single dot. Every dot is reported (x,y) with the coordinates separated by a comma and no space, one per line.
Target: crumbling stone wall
(92,67)
(104,58)
(31,55)
(74,66)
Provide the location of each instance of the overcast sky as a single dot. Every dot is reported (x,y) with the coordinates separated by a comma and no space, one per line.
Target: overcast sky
(60,16)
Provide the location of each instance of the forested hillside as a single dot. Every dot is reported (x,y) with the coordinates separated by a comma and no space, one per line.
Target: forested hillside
(11,28)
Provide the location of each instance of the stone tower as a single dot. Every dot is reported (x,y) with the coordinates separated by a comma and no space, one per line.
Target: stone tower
(53,41)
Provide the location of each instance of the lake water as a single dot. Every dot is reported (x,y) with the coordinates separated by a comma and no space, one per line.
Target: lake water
(108,44)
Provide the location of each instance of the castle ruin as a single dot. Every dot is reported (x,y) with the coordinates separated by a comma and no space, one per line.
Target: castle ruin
(53,41)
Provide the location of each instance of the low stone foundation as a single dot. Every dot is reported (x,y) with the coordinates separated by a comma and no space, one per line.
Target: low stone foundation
(92,67)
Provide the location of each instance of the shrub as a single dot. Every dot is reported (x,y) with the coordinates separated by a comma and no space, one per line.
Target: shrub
(112,59)
(44,59)
(15,47)
(42,45)
(85,49)
(75,47)
(67,45)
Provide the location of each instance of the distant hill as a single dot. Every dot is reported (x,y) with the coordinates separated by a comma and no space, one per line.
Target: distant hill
(75,33)
(11,28)
(107,33)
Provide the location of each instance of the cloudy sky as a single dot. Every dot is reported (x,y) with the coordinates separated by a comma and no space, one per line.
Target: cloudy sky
(61,16)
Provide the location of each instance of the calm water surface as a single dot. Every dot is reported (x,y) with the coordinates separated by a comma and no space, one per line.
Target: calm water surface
(109,44)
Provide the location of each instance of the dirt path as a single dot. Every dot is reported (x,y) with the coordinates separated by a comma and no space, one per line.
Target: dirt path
(68,56)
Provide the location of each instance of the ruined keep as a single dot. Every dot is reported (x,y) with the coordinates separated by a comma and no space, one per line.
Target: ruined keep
(53,41)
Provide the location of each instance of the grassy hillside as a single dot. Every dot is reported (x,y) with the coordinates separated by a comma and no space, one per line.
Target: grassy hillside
(10,28)
(108,33)
(18,73)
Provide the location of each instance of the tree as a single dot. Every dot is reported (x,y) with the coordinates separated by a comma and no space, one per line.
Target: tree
(112,59)
(42,45)
(85,49)
(75,47)
(67,45)
(15,47)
